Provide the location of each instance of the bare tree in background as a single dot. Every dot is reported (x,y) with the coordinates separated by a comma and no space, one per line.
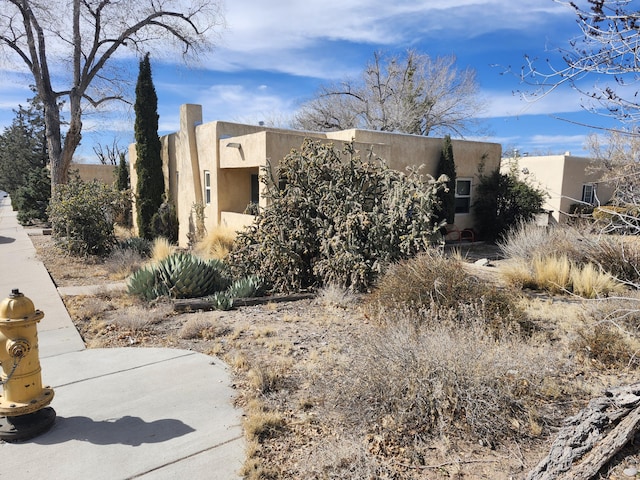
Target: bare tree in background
(109,154)
(617,156)
(80,38)
(413,94)
(605,51)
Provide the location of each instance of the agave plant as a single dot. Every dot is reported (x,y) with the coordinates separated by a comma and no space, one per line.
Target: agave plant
(181,275)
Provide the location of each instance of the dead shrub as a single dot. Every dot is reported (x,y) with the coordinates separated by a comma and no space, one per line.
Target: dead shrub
(529,240)
(434,281)
(419,380)
(336,296)
(606,346)
(122,262)
(618,255)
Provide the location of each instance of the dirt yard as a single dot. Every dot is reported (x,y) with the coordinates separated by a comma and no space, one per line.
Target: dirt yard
(280,353)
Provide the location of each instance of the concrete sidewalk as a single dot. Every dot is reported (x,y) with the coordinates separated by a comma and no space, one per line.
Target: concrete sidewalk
(121,413)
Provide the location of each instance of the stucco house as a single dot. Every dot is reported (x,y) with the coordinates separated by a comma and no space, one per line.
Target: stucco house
(567,179)
(217,164)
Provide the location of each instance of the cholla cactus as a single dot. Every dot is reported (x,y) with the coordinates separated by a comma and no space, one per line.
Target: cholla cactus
(336,219)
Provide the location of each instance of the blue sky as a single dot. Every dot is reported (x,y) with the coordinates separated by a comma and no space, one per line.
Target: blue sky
(273,55)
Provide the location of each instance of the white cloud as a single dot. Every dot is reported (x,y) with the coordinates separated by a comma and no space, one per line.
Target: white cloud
(507,104)
(286,36)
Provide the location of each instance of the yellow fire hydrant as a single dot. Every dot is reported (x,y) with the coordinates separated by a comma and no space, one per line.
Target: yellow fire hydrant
(23,400)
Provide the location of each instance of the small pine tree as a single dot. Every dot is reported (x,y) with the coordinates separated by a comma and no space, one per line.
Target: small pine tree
(447,198)
(150,185)
(23,158)
(32,199)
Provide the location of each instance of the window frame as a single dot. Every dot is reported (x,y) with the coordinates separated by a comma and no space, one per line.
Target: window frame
(207,187)
(592,196)
(466,210)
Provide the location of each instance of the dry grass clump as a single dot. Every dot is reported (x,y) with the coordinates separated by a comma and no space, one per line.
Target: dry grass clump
(557,274)
(412,381)
(122,262)
(194,327)
(161,249)
(551,272)
(434,281)
(336,296)
(138,318)
(590,281)
(264,378)
(216,244)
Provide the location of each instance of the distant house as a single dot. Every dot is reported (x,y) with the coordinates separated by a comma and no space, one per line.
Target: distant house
(217,164)
(568,181)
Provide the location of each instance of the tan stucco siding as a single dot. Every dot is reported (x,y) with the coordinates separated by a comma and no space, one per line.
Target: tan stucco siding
(91,171)
(562,178)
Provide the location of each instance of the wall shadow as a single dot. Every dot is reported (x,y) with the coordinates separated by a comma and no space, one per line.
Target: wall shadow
(125,430)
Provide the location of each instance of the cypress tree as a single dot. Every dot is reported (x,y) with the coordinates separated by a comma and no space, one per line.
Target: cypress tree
(150,185)
(123,179)
(447,166)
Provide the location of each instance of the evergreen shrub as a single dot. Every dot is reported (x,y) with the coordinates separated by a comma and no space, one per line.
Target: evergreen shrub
(82,216)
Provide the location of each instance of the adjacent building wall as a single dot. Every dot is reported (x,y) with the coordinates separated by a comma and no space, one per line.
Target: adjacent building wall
(232,153)
(562,177)
(90,171)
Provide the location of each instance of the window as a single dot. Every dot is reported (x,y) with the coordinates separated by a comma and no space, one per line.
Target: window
(589,193)
(255,188)
(463,195)
(207,187)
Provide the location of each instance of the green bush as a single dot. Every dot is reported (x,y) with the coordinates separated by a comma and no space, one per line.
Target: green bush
(502,202)
(82,216)
(140,245)
(164,222)
(334,218)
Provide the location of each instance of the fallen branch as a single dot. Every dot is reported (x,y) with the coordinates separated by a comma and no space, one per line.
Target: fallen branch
(591,438)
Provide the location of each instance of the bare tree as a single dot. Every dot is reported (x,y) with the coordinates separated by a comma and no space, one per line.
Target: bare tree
(109,154)
(605,50)
(412,94)
(617,156)
(46,34)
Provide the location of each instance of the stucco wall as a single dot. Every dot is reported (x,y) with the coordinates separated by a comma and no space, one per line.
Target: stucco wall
(562,177)
(89,172)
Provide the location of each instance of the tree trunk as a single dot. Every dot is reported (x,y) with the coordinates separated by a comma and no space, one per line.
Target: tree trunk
(592,437)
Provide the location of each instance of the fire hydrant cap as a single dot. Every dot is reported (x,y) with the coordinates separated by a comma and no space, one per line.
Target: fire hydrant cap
(17,306)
